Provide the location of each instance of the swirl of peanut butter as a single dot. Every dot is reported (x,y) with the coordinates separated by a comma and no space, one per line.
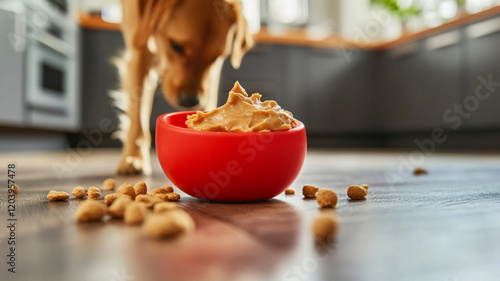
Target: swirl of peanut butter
(243,114)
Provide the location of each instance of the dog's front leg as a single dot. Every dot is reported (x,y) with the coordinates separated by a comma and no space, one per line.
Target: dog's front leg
(139,85)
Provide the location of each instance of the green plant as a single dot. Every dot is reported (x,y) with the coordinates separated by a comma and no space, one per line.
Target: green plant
(394,8)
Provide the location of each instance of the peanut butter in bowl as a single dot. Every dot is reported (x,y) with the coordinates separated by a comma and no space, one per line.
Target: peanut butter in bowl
(243,114)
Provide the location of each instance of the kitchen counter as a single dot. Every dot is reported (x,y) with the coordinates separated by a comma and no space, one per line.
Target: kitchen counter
(439,226)
(299,37)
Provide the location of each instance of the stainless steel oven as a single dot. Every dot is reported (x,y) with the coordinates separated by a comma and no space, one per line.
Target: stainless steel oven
(50,71)
(48,76)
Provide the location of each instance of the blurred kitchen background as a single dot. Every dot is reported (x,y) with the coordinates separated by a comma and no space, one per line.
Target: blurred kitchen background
(358,73)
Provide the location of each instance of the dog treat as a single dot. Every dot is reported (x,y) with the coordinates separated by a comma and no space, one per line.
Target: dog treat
(366,186)
(356,192)
(326,198)
(117,209)
(140,188)
(289,191)
(109,184)
(135,213)
(162,196)
(158,191)
(168,189)
(110,198)
(57,195)
(165,207)
(243,114)
(127,189)
(168,224)
(154,201)
(123,196)
(90,211)
(173,196)
(79,192)
(143,198)
(148,200)
(419,171)
(325,227)
(309,191)
(16,188)
(94,193)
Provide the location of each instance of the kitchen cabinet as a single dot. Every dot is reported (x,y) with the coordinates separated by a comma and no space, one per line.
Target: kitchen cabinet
(337,92)
(483,60)
(11,71)
(419,82)
(99,76)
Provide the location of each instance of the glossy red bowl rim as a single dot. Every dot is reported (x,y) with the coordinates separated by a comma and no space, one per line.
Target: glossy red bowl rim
(165,123)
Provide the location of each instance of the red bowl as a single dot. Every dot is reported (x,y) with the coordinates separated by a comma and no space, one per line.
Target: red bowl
(229,167)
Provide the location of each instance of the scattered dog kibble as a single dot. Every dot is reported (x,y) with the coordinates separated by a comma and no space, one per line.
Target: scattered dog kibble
(93,193)
(326,198)
(168,189)
(289,191)
(366,186)
(154,201)
(162,196)
(158,191)
(419,171)
(357,192)
(173,196)
(165,207)
(109,184)
(309,191)
(79,192)
(57,195)
(168,224)
(126,189)
(143,198)
(117,209)
(325,227)
(140,188)
(135,213)
(148,200)
(90,211)
(110,198)
(15,188)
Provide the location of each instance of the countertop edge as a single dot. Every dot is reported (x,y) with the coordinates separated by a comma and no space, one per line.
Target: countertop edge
(299,37)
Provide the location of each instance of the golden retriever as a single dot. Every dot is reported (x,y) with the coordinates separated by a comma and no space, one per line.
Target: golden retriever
(183,42)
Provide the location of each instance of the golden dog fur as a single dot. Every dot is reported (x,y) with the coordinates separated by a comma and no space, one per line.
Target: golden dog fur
(183,42)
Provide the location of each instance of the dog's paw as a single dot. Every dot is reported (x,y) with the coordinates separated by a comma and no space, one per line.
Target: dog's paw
(132,165)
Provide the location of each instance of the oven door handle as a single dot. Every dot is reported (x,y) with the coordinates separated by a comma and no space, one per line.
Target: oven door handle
(54,43)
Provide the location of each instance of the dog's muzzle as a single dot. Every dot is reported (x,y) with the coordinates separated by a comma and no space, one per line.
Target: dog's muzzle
(188,101)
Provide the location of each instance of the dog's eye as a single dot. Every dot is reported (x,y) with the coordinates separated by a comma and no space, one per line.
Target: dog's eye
(177,48)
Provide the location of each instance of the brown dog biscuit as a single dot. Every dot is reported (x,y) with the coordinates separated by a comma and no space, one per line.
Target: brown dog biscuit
(90,211)
(57,195)
(126,189)
(326,198)
(79,192)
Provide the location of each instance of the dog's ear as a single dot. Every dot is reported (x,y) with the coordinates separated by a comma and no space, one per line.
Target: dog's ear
(140,18)
(243,38)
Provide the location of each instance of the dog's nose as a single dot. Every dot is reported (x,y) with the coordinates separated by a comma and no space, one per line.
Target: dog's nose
(188,100)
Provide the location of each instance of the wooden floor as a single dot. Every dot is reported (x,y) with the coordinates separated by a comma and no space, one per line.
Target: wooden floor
(440,226)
